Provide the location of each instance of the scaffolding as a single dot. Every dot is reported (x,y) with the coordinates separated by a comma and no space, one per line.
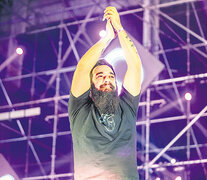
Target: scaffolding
(152,110)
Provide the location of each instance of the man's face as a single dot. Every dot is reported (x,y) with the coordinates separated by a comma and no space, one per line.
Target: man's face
(103,89)
(103,78)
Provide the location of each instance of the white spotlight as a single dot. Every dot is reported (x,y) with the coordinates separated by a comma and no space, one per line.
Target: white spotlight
(102,33)
(157,178)
(173,161)
(119,86)
(188,96)
(116,55)
(7,177)
(19,51)
(178,178)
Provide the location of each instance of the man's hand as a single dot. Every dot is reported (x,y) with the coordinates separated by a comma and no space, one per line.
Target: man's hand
(110,35)
(112,15)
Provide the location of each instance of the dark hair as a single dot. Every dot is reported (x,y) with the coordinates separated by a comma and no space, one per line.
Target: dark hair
(99,63)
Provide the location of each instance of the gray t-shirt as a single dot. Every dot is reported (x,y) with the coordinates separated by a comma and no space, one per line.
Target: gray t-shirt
(104,149)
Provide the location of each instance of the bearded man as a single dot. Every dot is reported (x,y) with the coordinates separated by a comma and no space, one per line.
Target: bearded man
(103,124)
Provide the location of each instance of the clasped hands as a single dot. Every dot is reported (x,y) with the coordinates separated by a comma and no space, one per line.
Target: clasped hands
(113,24)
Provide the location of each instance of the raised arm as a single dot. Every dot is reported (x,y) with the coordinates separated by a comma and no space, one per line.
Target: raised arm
(81,77)
(132,79)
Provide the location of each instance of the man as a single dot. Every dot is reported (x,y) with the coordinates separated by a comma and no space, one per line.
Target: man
(103,124)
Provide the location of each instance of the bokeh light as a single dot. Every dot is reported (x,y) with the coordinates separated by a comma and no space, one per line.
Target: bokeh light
(178,178)
(19,51)
(173,161)
(102,33)
(7,177)
(188,96)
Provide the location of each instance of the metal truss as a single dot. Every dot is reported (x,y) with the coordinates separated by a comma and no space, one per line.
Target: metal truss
(150,154)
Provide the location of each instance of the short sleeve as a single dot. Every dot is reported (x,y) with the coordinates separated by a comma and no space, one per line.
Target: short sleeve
(130,100)
(75,104)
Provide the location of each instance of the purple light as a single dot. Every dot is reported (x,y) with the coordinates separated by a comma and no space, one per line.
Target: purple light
(19,51)
(178,178)
(188,96)
(102,33)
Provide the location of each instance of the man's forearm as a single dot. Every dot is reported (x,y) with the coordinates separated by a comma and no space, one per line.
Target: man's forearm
(128,47)
(130,51)
(132,78)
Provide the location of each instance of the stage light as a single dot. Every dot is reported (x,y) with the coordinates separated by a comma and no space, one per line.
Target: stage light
(114,56)
(6,171)
(179,168)
(178,178)
(102,33)
(173,161)
(150,64)
(188,96)
(157,178)
(19,51)
(117,55)
(20,113)
(160,169)
(119,86)
(7,177)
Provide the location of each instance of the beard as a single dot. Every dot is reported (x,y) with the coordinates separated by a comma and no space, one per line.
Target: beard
(106,102)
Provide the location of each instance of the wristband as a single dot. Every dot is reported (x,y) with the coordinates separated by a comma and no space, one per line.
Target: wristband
(119,30)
